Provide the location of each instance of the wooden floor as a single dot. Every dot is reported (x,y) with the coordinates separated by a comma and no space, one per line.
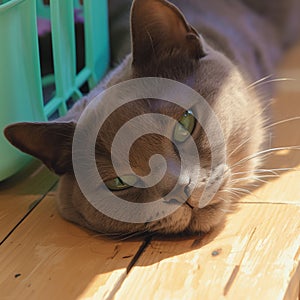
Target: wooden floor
(256,255)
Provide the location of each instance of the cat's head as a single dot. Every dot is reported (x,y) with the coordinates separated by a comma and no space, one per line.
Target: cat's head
(165,45)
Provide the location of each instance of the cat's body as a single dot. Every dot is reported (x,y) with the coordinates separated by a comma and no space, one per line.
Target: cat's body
(238,46)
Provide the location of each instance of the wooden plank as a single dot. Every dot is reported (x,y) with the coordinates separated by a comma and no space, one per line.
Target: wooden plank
(293,291)
(255,257)
(12,211)
(19,194)
(271,260)
(49,258)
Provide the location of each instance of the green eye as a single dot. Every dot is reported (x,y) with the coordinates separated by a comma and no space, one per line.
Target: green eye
(185,127)
(121,183)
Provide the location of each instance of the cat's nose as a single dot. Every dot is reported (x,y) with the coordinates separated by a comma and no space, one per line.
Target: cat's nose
(174,201)
(179,196)
(187,190)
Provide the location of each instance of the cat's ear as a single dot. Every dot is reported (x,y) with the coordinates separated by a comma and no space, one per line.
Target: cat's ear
(160,31)
(49,142)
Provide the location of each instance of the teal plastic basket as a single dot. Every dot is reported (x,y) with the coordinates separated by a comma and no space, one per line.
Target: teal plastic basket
(21,84)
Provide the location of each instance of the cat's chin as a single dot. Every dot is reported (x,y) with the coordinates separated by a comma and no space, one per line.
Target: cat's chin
(177,222)
(206,219)
(191,220)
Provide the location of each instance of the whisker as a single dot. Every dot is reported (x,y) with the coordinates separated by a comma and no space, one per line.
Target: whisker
(143,233)
(259,81)
(230,192)
(224,200)
(131,235)
(264,152)
(237,194)
(227,211)
(282,122)
(242,191)
(117,236)
(253,136)
(267,127)
(238,147)
(273,171)
(261,180)
(254,177)
(273,80)
(245,159)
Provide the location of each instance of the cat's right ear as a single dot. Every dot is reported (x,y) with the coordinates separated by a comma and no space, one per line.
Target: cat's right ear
(49,142)
(160,33)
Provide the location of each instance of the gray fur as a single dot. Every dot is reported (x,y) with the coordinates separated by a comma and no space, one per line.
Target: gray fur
(242,41)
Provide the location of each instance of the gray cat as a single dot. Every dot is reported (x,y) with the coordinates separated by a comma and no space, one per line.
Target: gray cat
(219,48)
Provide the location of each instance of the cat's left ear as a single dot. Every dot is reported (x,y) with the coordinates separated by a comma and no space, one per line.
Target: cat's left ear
(160,31)
(49,142)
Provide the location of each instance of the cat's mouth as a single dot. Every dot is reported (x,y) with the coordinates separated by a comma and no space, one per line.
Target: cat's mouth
(189,205)
(190,219)
(206,193)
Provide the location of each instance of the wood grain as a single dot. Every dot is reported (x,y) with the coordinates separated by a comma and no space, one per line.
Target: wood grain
(49,258)
(254,257)
(20,193)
